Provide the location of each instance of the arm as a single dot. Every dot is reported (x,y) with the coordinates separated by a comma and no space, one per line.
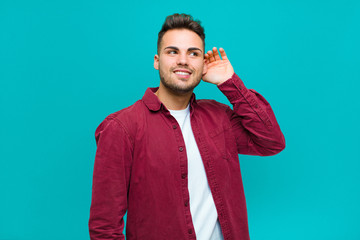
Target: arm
(110,181)
(253,121)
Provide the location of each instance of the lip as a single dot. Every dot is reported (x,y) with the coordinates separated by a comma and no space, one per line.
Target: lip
(182,70)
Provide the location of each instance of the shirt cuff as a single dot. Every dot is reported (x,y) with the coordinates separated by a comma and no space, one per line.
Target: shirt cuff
(233,88)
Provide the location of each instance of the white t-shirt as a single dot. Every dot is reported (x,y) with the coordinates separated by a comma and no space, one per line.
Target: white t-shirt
(202,206)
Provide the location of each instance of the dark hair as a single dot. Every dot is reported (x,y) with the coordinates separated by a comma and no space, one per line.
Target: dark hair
(179,21)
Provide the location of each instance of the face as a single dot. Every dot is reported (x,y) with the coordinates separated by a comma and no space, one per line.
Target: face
(180,61)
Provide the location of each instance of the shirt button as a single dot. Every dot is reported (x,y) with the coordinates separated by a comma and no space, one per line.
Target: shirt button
(181,149)
(190,231)
(174,126)
(186,203)
(183,176)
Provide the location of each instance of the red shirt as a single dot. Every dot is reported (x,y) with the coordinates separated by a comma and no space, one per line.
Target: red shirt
(141,164)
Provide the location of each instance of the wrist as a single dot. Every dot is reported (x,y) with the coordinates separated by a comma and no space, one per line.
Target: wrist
(225,79)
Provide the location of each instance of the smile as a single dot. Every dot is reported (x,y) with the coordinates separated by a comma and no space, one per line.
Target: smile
(181,73)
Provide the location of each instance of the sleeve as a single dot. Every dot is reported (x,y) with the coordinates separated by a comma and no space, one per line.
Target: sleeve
(110,181)
(253,121)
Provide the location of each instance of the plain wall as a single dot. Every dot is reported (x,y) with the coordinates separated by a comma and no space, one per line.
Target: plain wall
(66,65)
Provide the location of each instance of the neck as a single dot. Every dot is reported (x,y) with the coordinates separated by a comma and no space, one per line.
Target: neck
(173,100)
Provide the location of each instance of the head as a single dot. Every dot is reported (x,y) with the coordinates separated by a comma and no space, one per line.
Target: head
(181,21)
(180,53)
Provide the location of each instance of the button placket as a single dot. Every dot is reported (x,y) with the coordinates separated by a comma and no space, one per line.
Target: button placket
(184,174)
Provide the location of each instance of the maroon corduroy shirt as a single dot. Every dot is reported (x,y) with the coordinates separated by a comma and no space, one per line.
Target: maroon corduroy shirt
(141,164)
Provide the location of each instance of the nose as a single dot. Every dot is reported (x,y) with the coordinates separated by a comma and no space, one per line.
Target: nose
(182,59)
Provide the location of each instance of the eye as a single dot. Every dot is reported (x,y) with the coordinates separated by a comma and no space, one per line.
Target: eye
(194,54)
(172,52)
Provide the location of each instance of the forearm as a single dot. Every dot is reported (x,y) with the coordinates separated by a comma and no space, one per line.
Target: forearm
(254,124)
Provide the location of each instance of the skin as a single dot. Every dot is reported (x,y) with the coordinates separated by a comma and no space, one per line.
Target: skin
(183,50)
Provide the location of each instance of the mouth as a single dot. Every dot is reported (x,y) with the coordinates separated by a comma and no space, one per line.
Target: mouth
(182,73)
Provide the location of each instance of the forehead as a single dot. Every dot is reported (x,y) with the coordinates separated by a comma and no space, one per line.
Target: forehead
(181,38)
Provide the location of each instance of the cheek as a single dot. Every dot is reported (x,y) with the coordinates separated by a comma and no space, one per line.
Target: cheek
(200,67)
(165,65)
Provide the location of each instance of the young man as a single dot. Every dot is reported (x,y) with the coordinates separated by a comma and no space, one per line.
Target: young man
(171,161)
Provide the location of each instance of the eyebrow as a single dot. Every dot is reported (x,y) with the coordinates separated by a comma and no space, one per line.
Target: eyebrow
(189,49)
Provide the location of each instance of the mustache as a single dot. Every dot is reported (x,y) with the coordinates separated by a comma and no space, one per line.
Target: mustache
(182,67)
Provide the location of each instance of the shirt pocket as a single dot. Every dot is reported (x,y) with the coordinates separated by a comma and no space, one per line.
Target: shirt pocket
(224,141)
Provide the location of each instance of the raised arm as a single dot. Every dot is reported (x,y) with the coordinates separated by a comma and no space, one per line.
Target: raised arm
(253,121)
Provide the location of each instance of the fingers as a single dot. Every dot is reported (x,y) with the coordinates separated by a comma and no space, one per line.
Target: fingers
(216,54)
(212,56)
(223,54)
(206,57)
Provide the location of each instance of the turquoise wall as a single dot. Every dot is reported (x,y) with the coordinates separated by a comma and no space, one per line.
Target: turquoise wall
(66,65)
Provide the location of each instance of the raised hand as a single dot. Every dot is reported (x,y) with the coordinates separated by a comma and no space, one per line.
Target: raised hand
(218,69)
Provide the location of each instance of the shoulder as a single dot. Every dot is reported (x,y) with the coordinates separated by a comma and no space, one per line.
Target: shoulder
(211,109)
(128,114)
(124,120)
(212,105)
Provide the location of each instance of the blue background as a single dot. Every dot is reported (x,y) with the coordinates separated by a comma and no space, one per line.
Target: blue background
(66,65)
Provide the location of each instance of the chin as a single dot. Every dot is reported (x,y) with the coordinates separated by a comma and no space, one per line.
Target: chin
(179,88)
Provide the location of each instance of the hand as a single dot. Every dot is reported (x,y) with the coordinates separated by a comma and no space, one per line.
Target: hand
(218,70)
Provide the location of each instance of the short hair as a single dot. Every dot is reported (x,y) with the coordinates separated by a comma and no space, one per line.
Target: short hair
(181,21)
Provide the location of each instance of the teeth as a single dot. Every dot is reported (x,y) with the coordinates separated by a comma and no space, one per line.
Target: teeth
(182,73)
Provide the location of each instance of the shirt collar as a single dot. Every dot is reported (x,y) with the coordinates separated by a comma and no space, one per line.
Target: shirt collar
(153,103)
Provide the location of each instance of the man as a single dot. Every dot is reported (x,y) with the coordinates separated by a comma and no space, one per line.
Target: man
(171,161)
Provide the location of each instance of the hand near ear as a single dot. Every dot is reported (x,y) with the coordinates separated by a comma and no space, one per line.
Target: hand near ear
(218,69)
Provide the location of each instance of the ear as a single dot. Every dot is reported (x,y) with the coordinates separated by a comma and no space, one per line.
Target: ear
(205,68)
(156,62)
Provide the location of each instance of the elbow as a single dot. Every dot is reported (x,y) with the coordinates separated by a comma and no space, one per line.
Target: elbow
(272,147)
(277,147)
(281,147)
(281,143)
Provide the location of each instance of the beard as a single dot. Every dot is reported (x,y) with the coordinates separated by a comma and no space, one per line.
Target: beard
(170,82)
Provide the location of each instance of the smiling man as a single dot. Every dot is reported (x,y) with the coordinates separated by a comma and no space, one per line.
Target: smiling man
(171,161)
